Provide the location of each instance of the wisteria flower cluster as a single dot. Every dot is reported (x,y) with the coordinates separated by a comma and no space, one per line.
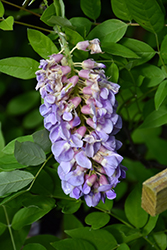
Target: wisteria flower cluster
(79,111)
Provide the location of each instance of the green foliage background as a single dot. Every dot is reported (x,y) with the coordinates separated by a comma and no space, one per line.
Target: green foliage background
(133,35)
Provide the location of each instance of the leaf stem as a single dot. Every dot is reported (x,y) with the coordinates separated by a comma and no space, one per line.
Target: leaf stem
(9,227)
(43,165)
(21,8)
(33,26)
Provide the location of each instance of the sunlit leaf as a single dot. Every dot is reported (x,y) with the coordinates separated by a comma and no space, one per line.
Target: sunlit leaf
(2,10)
(7,24)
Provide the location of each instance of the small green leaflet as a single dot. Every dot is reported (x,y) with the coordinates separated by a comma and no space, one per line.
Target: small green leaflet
(20,67)
(41,43)
(97,219)
(7,24)
(14,181)
(160,94)
(29,153)
(2,10)
(121,10)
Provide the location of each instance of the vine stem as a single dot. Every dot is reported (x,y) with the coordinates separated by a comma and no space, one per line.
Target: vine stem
(9,228)
(21,8)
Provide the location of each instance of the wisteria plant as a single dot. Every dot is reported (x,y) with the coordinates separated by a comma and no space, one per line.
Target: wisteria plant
(83,123)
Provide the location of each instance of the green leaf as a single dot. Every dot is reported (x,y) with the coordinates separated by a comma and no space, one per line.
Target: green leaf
(157,118)
(118,50)
(123,246)
(147,13)
(111,30)
(69,206)
(14,181)
(163,49)
(160,94)
(135,214)
(41,43)
(32,120)
(9,148)
(121,10)
(2,225)
(82,25)
(40,205)
(43,239)
(97,219)
(73,244)
(105,206)
(123,233)
(41,138)
(34,246)
(61,21)
(91,9)
(7,24)
(2,141)
(29,153)
(59,7)
(113,72)
(150,225)
(100,238)
(143,50)
(71,222)
(48,13)
(2,10)
(153,75)
(21,103)
(20,67)
(9,163)
(160,239)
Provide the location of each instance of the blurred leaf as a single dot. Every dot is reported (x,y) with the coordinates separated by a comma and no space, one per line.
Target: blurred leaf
(29,153)
(121,10)
(156,119)
(123,233)
(43,239)
(142,135)
(61,21)
(2,225)
(69,206)
(48,13)
(97,219)
(32,213)
(163,49)
(91,9)
(41,138)
(160,239)
(7,24)
(34,246)
(71,222)
(73,244)
(100,238)
(59,7)
(143,50)
(20,67)
(121,189)
(118,50)
(2,141)
(33,119)
(9,148)
(21,103)
(150,225)
(41,43)
(160,94)
(147,13)
(123,246)
(82,24)
(14,181)
(2,10)
(113,72)
(111,30)
(135,214)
